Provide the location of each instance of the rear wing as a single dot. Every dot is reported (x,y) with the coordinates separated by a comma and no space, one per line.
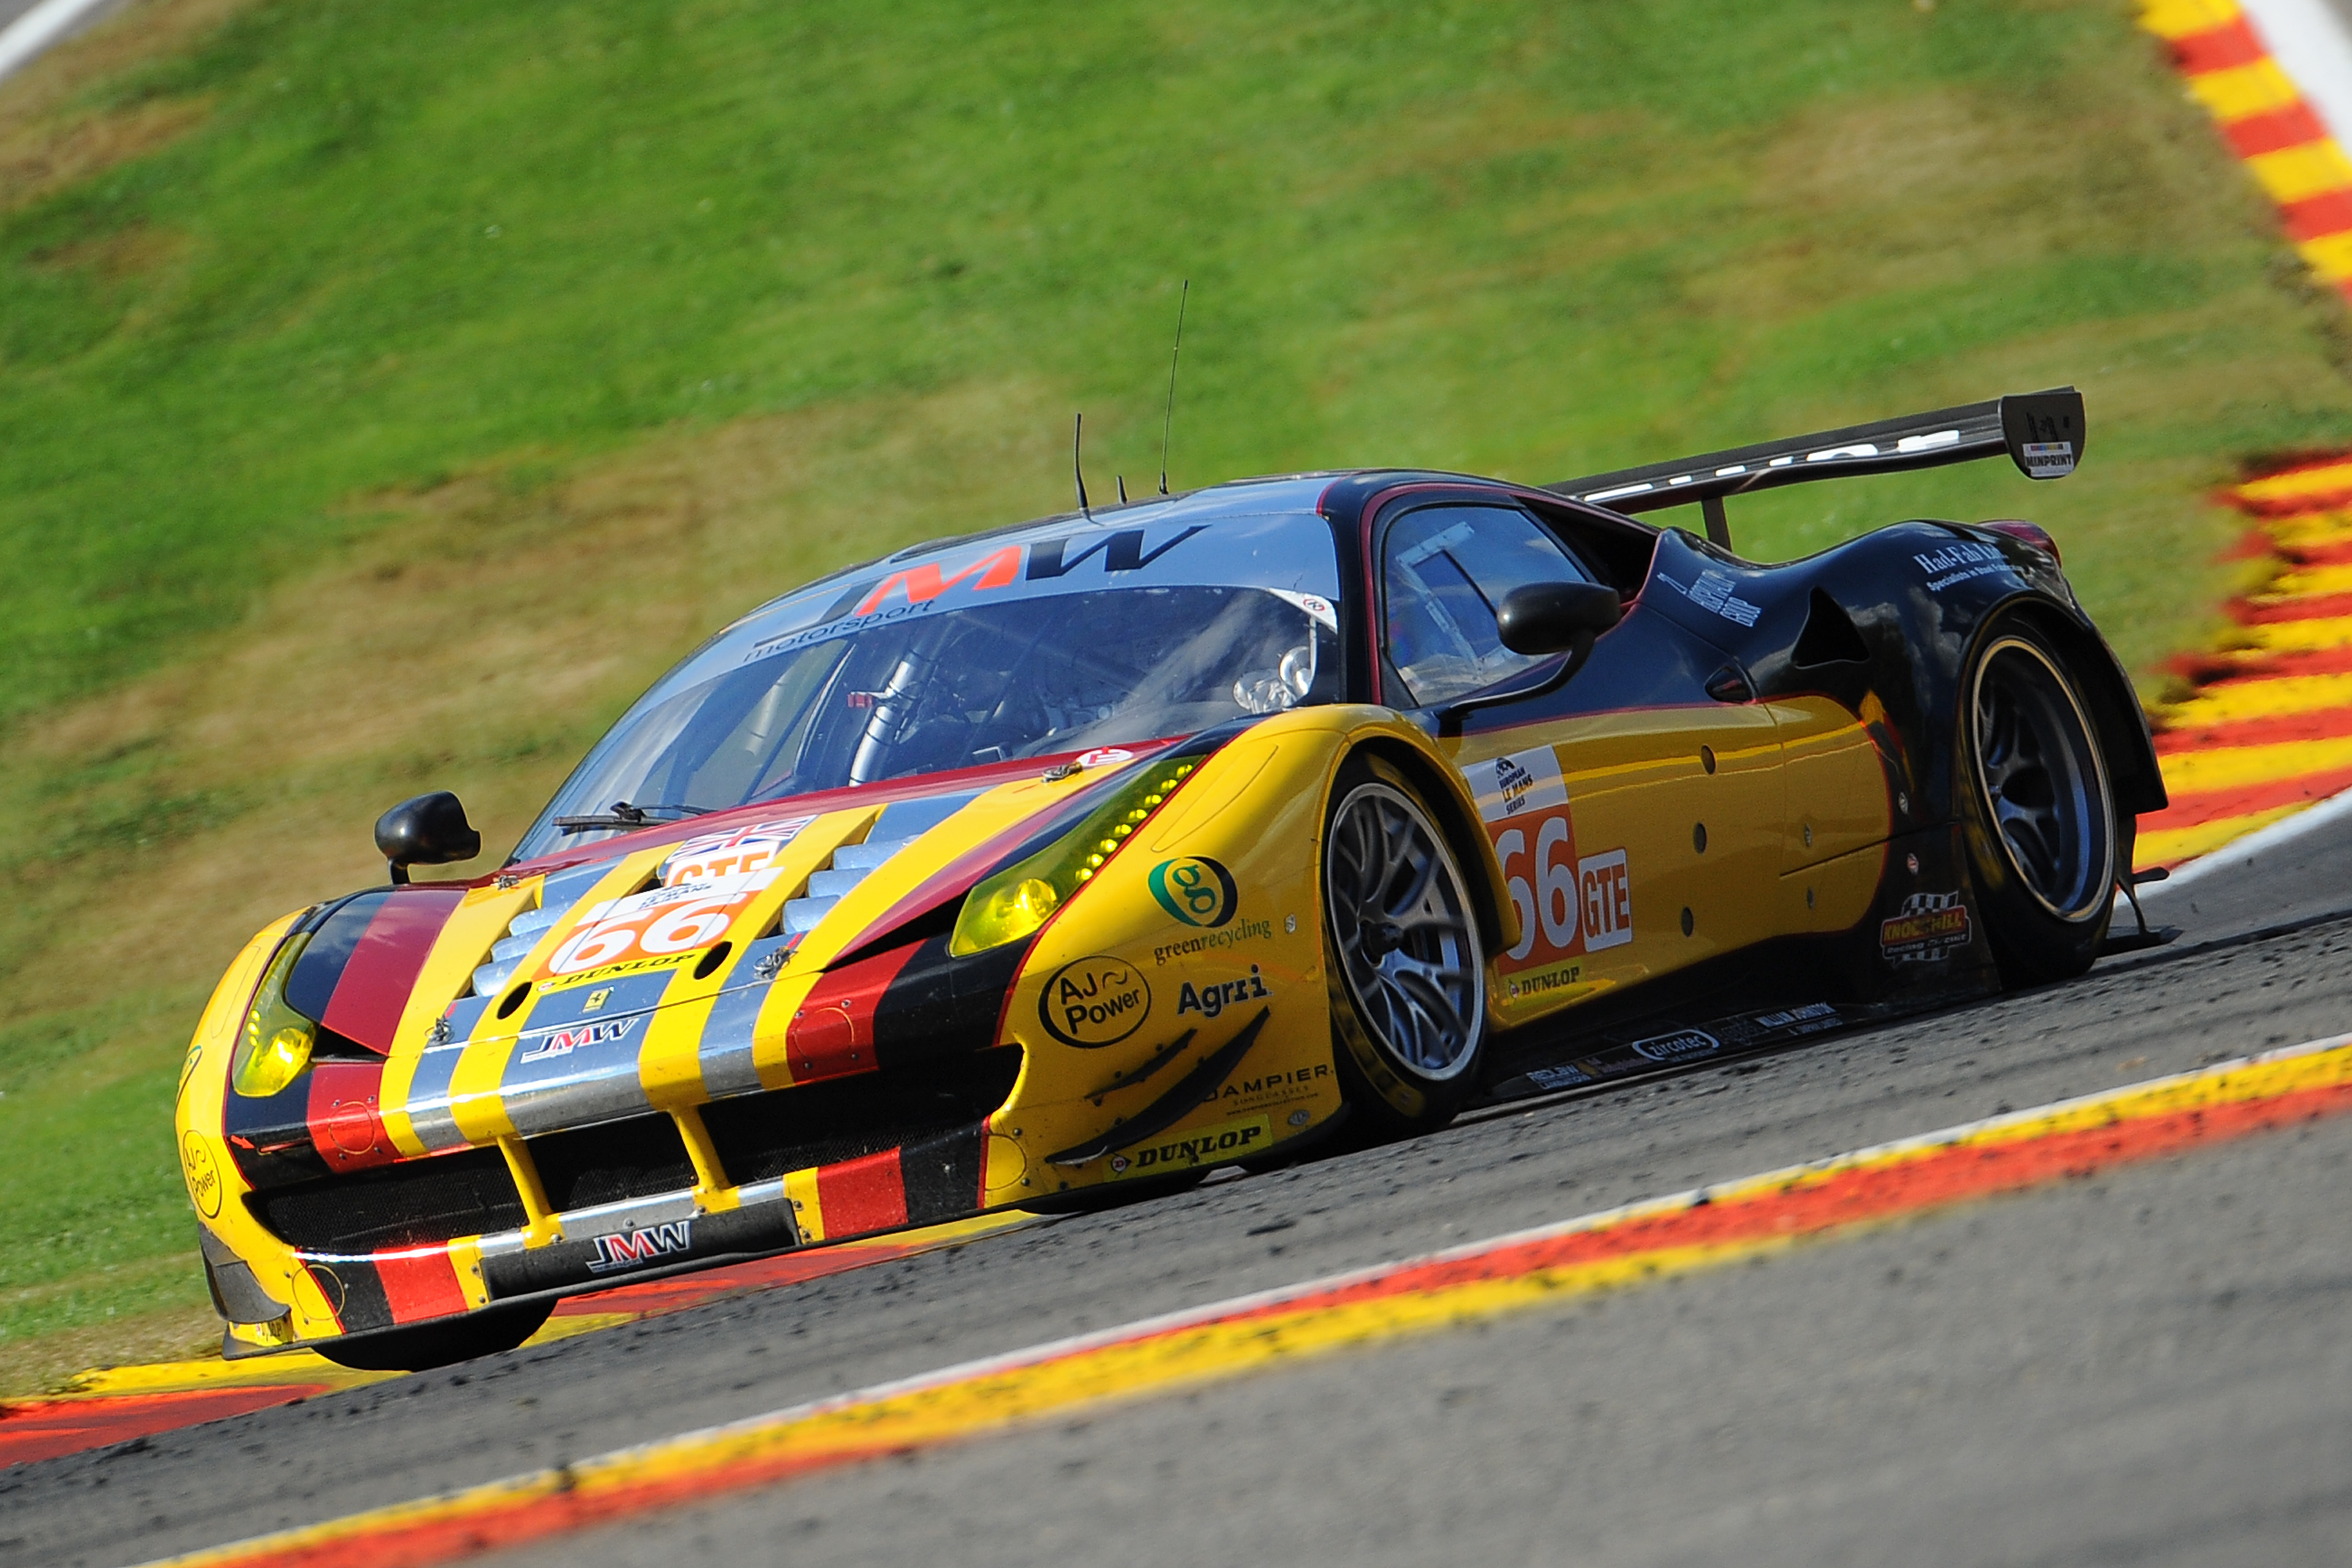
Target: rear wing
(2042,432)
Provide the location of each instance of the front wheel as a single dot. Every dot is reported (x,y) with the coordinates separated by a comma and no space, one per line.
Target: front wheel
(1401,940)
(2042,819)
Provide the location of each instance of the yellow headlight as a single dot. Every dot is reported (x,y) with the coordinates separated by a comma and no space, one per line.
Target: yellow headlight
(278,1039)
(1019,898)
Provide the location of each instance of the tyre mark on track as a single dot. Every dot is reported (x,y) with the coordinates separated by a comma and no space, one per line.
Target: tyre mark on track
(1614,1250)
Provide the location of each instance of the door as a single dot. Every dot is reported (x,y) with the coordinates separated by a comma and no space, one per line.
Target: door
(1638,819)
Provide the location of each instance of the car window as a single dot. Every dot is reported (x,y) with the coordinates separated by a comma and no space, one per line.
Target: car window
(1444,570)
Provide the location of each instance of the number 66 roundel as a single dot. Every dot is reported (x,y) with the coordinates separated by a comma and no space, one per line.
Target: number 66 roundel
(1568,904)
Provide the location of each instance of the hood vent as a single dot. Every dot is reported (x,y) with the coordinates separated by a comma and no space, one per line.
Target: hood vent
(900,824)
(556,897)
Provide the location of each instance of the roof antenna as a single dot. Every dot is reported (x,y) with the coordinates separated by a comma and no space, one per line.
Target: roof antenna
(1077,445)
(1169,420)
(1122,489)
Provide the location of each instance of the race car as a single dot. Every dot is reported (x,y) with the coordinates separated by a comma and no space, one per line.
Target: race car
(1062,863)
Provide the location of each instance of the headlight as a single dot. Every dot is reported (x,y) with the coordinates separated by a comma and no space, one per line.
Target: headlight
(275,1046)
(1017,899)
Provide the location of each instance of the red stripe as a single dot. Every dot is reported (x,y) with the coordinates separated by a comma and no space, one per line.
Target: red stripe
(420,1286)
(832,1032)
(345,1117)
(2209,667)
(862,1195)
(2215,806)
(36,1429)
(2280,128)
(2218,48)
(2316,217)
(2320,724)
(383,966)
(2321,608)
(2318,555)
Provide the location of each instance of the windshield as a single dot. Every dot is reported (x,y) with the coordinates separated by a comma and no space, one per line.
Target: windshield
(902,685)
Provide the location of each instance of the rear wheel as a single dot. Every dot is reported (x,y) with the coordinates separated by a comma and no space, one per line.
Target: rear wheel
(2046,841)
(486,1332)
(1407,972)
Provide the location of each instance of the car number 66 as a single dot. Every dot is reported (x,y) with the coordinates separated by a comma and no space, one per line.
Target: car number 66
(1548,906)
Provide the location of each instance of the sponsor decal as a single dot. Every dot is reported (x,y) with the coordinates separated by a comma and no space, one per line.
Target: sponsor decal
(715,856)
(596,1000)
(1682,1046)
(1105,756)
(1567,976)
(1194,890)
(1928,927)
(921,589)
(203,1175)
(563,1042)
(1713,592)
(1214,997)
(1095,1002)
(635,1248)
(1184,1152)
(657,929)
(2048,459)
(1216,940)
(1568,1076)
(1811,1012)
(1959,562)
(1607,894)
(1268,1090)
(1569,905)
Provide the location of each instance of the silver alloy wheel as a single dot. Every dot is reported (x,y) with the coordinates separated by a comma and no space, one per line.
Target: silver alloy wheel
(1400,917)
(2044,779)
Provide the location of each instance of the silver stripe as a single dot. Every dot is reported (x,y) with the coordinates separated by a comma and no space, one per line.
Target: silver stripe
(630,1214)
(429,1111)
(725,1051)
(598,1084)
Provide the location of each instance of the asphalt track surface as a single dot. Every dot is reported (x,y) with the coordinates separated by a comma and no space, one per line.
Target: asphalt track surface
(2149,1366)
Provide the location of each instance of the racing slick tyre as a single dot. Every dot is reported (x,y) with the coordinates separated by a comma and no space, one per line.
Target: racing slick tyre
(486,1332)
(1406,972)
(2044,833)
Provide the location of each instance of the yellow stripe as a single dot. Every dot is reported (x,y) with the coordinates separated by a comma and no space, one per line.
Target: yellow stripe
(2243,699)
(2295,636)
(2326,479)
(2242,90)
(1158,1358)
(2295,173)
(2305,582)
(2182,18)
(2170,845)
(2329,255)
(2305,530)
(2235,767)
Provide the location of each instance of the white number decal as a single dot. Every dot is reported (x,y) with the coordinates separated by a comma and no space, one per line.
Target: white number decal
(1508,848)
(1555,883)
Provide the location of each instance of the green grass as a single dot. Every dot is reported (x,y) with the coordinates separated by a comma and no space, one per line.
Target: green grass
(517,242)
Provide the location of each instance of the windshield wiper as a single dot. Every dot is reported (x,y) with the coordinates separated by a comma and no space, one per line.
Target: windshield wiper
(624,815)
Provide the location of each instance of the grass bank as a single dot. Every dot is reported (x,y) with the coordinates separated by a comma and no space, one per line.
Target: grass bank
(384,403)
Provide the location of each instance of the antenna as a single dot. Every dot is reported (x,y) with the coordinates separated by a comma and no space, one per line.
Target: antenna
(1078,468)
(1168,421)
(1122,489)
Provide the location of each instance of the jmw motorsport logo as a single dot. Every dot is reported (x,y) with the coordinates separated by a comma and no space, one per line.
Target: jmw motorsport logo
(1095,1002)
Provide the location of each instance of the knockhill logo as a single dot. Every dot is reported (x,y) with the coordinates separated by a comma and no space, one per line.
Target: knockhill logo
(1929,926)
(1195,889)
(634,1249)
(1095,1002)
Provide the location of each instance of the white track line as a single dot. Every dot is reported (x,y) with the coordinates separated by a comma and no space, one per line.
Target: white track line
(40,28)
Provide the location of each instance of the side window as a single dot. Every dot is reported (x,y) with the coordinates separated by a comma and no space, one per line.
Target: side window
(1444,570)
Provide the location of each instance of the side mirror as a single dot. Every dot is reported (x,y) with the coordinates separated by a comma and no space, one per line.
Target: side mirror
(430,830)
(1552,618)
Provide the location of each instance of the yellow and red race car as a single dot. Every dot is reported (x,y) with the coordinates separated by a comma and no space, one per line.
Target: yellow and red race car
(1068,861)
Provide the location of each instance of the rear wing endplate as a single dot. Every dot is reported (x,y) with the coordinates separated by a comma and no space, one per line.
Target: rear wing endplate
(2042,432)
